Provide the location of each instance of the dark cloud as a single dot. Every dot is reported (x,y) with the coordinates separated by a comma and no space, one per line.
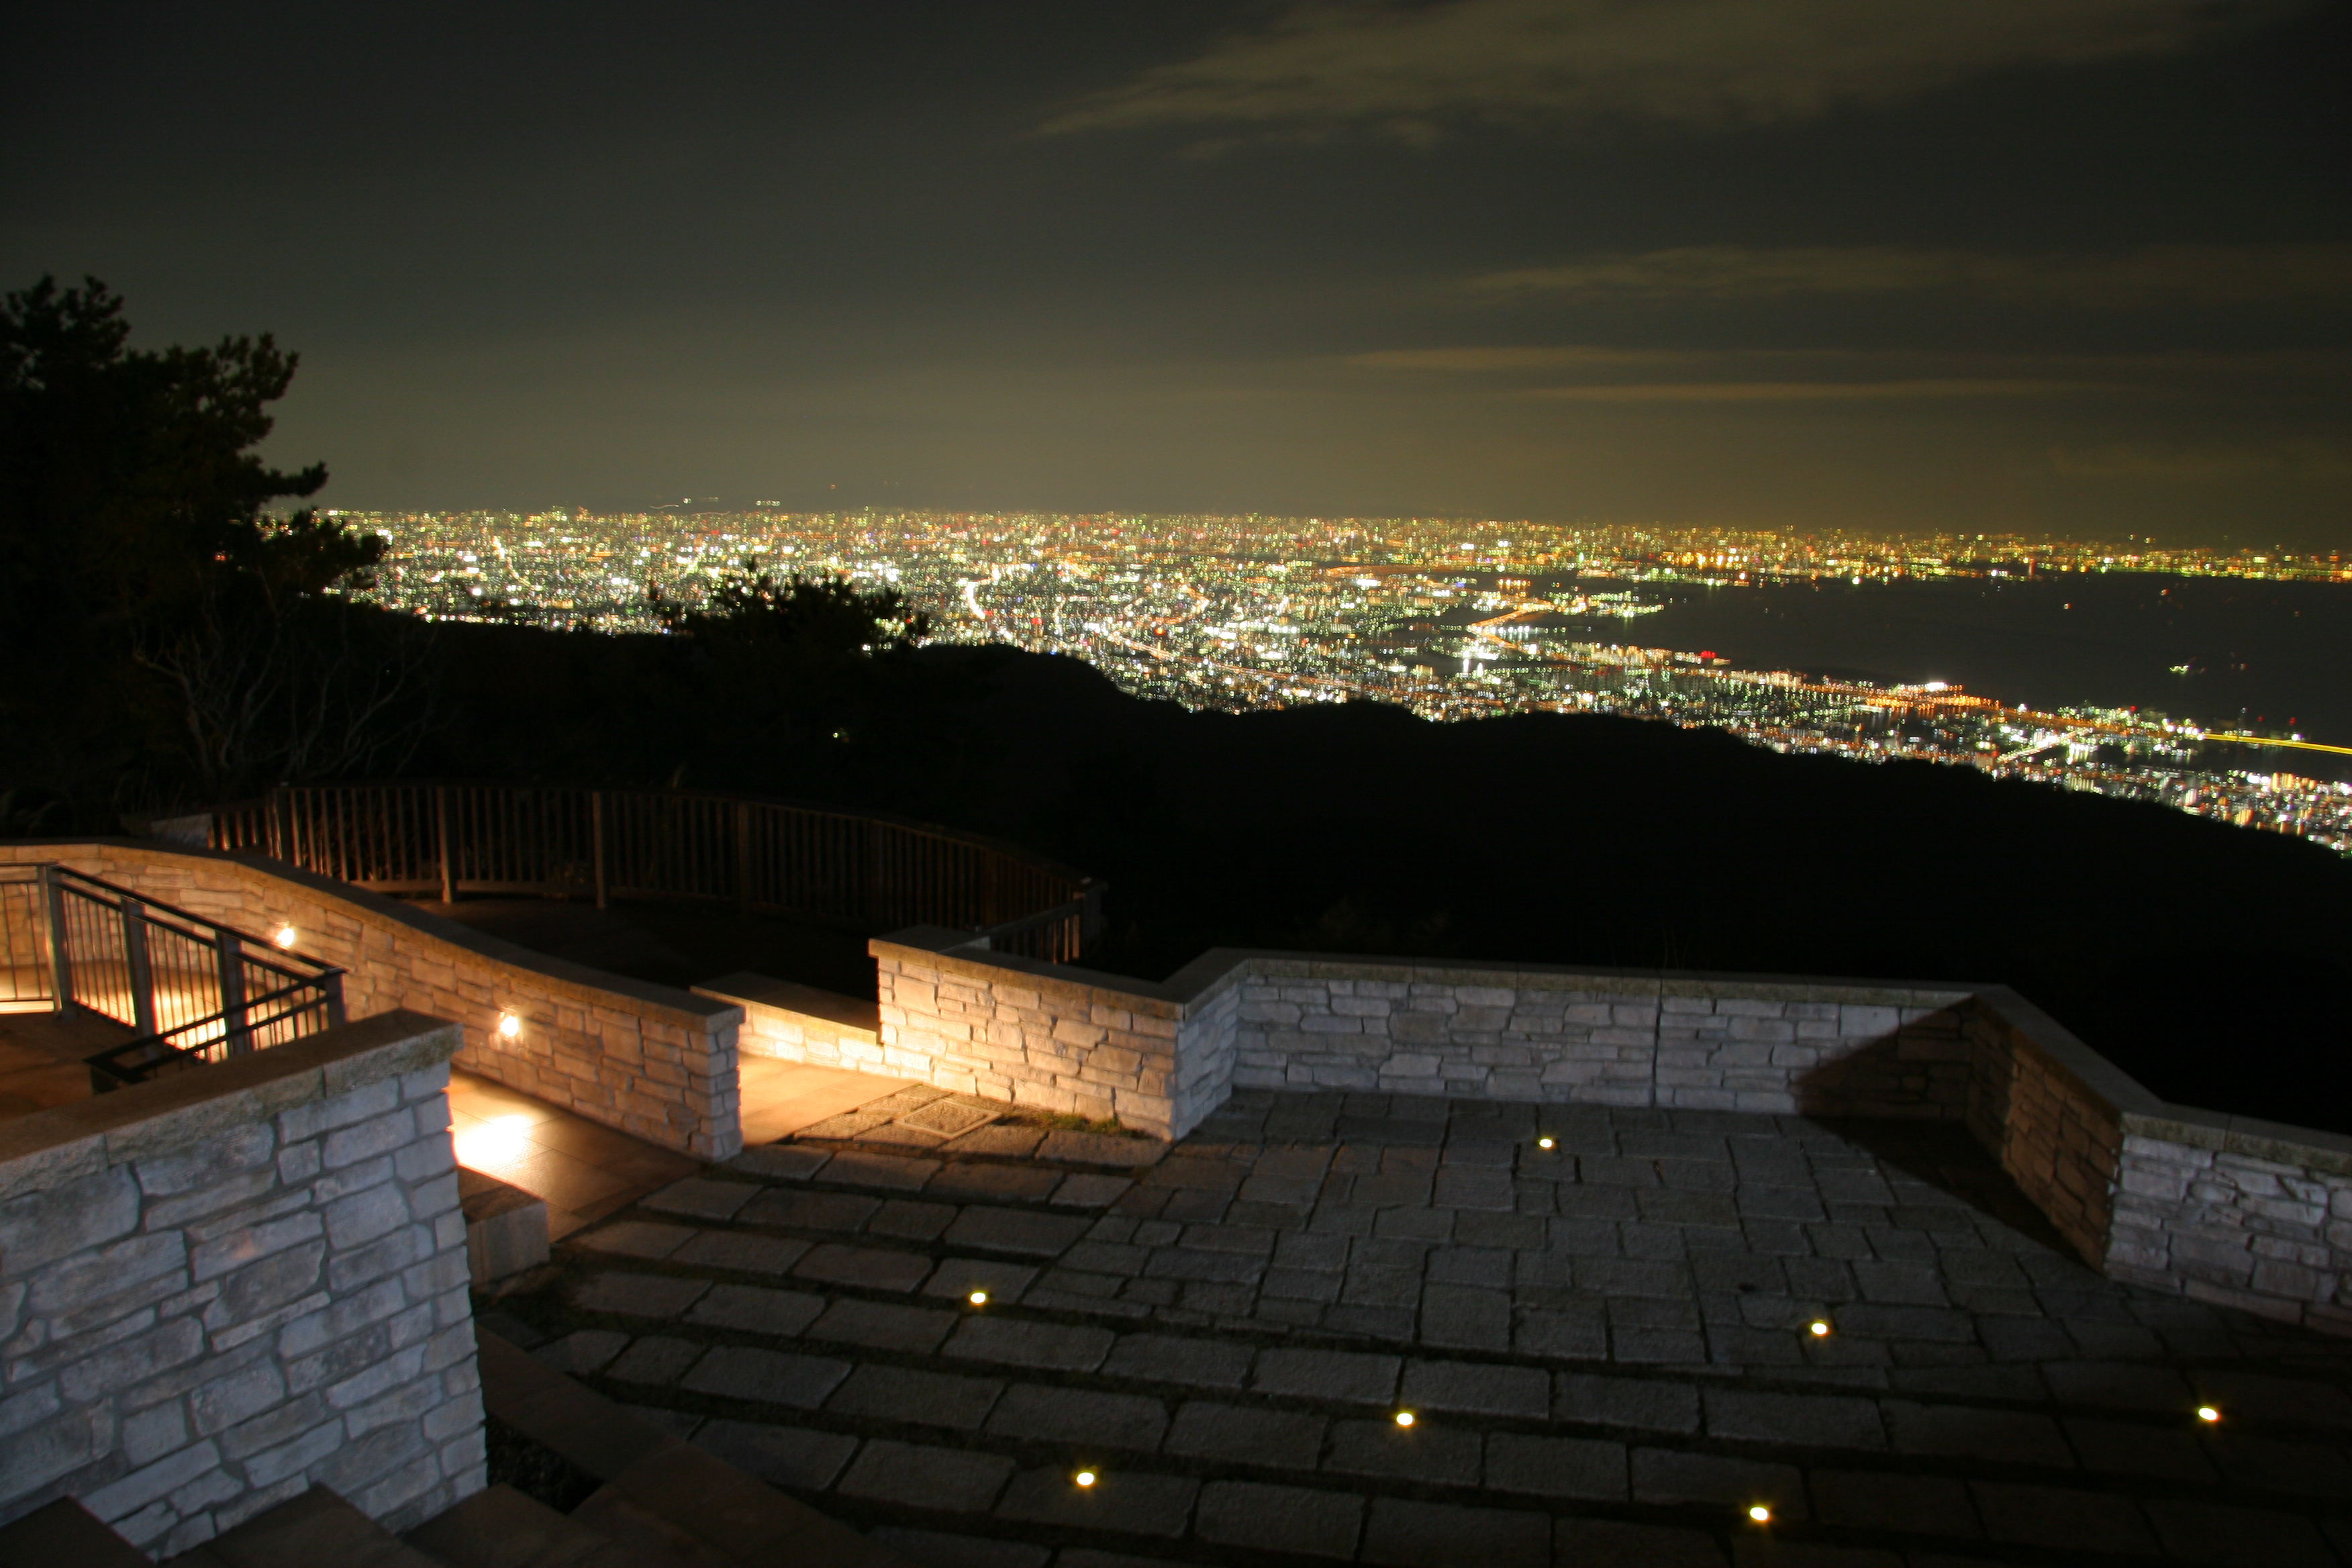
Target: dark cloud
(1411,69)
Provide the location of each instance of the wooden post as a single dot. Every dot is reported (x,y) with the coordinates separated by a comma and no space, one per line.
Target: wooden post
(743,859)
(229,955)
(596,834)
(135,964)
(281,828)
(60,956)
(331,982)
(441,842)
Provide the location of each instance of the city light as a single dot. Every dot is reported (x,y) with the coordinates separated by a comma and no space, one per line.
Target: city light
(1447,620)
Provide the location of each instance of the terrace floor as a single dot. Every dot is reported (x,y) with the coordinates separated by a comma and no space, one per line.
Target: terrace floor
(41,1059)
(1606,1344)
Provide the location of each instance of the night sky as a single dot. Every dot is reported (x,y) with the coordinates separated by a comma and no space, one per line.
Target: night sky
(2070,265)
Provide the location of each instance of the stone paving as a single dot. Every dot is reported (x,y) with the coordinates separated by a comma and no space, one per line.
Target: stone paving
(1608,1346)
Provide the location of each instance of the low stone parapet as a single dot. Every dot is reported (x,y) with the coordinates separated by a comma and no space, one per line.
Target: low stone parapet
(223,1286)
(2217,1207)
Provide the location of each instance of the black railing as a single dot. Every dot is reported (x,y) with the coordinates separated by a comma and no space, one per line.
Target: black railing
(1051,936)
(190,990)
(763,856)
(27,977)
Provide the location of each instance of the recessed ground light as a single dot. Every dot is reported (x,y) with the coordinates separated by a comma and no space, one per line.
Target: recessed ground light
(978,1298)
(2206,1413)
(1819,1328)
(1759,1514)
(1544,1142)
(285,937)
(509,1025)
(1404,1418)
(1084,1477)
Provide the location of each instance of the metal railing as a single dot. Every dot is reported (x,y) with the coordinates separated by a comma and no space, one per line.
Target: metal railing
(760,854)
(192,991)
(1057,935)
(28,979)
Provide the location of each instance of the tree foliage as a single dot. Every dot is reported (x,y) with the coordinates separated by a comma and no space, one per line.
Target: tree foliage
(166,633)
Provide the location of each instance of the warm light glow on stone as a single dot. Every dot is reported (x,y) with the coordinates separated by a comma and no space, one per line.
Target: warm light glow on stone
(509,1025)
(285,937)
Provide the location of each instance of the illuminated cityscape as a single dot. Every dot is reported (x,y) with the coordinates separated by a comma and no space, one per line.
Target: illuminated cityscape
(1452,620)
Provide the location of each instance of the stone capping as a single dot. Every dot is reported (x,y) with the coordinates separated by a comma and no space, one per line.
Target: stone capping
(591,983)
(181,1111)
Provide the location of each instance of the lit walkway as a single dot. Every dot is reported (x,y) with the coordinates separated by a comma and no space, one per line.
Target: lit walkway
(1601,1322)
(585,1171)
(41,1059)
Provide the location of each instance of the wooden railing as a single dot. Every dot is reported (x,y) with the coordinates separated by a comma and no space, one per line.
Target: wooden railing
(763,856)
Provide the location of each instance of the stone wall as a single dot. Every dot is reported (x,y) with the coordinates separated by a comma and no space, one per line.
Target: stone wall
(795,1023)
(2237,1212)
(2210,1207)
(656,1063)
(221,1288)
(958,1017)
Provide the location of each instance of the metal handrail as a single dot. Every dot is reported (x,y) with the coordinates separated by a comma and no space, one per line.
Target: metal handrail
(112,951)
(760,853)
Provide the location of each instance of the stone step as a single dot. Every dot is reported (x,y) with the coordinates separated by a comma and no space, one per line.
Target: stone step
(314,1529)
(667,1502)
(501,1528)
(63,1532)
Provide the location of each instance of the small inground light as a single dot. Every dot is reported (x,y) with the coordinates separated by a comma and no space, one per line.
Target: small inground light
(285,936)
(978,1298)
(1084,1477)
(1544,1142)
(2207,1414)
(1819,1328)
(509,1025)
(1759,1514)
(1404,1418)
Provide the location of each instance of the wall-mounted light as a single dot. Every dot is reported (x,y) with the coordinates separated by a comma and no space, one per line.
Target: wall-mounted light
(978,1298)
(1544,1142)
(2207,1414)
(1759,1514)
(1085,1479)
(1404,1417)
(284,937)
(1819,1328)
(509,1025)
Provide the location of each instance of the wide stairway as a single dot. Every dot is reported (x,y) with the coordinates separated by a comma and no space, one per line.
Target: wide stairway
(1618,1335)
(619,1492)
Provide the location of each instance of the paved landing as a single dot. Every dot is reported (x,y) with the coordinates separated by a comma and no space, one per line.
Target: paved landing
(1608,1347)
(41,1059)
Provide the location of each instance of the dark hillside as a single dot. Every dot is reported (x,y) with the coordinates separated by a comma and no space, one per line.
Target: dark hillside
(2207,960)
